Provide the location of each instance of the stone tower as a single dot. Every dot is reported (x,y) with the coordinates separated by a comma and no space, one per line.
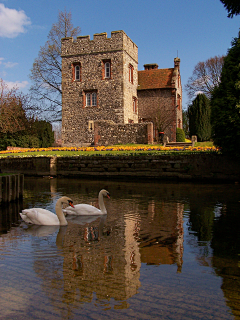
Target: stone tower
(99,82)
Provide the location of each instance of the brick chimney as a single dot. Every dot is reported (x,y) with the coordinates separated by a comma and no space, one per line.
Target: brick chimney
(177,64)
(150,66)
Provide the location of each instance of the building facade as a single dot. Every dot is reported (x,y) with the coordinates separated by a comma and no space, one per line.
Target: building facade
(160,98)
(100,82)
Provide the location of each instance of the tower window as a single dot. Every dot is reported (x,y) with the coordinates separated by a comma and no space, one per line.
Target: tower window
(130,68)
(134,105)
(76,71)
(106,69)
(91,99)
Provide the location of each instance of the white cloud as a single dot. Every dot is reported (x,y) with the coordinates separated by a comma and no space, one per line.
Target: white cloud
(10,64)
(12,22)
(7,64)
(16,84)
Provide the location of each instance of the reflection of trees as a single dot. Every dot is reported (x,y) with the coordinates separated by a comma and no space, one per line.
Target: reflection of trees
(9,215)
(201,220)
(226,231)
(202,201)
(223,235)
(226,247)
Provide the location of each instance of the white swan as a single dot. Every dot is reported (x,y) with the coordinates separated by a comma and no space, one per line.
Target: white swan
(45,217)
(87,209)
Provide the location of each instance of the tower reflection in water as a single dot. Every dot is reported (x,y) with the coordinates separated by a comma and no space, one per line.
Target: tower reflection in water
(100,260)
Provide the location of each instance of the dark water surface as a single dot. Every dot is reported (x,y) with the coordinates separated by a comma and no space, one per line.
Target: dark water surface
(164,251)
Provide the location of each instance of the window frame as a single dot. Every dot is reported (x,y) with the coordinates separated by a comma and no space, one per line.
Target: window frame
(90,99)
(130,68)
(106,64)
(76,65)
(135,106)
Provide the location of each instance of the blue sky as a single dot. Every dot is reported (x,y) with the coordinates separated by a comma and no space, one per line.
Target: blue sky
(195,29)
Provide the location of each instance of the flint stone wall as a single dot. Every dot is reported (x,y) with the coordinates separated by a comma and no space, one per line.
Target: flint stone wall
(195,167)
(110,133)
(114,94)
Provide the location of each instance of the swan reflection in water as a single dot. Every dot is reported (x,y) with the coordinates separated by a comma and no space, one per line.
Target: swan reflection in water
(98,258)
(92,257)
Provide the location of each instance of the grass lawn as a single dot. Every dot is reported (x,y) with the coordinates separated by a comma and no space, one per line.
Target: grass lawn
(204,144)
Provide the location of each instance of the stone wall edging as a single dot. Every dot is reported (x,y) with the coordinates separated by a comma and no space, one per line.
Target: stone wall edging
(204,167)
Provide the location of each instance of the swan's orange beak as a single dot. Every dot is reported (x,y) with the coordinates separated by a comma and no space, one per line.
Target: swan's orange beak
(108,195)
(71,203)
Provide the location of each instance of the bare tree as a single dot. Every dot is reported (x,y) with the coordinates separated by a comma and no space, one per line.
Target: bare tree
(163,119)
(12,114)
(46,73)
(161,114)
(206,76)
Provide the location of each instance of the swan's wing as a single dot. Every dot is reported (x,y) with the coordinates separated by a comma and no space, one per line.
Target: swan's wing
(83,209)
(39,216)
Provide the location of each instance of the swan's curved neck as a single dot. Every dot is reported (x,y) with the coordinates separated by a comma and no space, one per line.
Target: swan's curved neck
(101,203)
(60,214)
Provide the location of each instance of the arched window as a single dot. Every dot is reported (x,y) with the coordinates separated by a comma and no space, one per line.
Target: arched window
(106,69)
(77,72)
(130,68)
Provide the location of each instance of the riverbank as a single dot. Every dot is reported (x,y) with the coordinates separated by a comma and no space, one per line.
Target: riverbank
(191,167)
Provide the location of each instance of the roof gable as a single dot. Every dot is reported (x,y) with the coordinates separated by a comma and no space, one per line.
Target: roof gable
(155,79)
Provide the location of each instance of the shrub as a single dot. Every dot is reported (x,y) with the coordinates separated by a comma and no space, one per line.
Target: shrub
(180,135)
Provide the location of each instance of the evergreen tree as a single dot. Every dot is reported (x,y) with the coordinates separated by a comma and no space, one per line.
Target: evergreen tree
(180,135)
(185,122)
(44,133)
(200,118)
(225,103)
(232,7)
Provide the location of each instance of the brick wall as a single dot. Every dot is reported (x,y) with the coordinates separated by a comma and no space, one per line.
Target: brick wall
(158,103)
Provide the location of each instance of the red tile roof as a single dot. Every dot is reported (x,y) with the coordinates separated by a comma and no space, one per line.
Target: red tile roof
(155,79)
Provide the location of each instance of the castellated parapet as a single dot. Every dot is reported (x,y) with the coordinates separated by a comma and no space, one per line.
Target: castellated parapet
(99,82)
(100,43)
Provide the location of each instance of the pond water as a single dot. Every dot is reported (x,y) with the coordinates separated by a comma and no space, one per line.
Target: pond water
(163,251)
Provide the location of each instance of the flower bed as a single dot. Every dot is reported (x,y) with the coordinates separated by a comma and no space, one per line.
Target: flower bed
(128,150)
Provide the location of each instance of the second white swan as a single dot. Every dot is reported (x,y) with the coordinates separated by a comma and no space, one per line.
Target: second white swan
(87,209)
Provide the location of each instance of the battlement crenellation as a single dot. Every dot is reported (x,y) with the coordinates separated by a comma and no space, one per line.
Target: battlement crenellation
(100,43)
